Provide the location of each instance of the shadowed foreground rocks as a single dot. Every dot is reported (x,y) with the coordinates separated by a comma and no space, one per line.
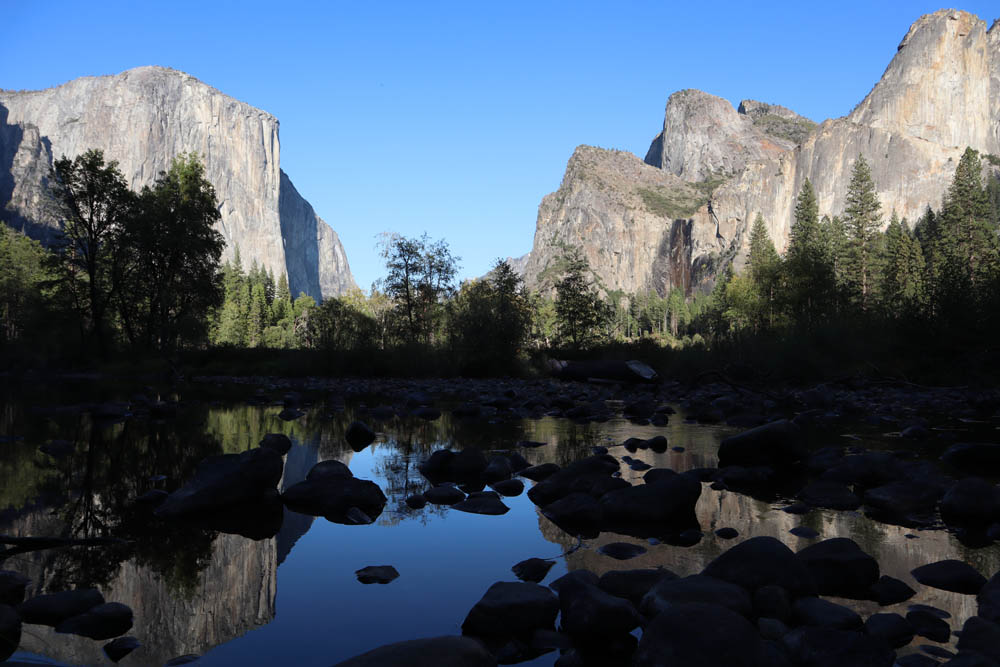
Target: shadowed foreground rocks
(432,652)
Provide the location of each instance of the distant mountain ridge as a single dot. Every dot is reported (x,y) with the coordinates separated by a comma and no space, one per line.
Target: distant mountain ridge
(143,118)
(641,226)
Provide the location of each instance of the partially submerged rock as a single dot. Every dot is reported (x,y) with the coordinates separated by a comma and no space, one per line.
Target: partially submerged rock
(225,480)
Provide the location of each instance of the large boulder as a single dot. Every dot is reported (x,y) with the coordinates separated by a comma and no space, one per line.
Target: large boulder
(979,458)
(904,502)
(633,585)
(10,631)
(104,621)
(576,476)
(778,443)
(12,586)
(359,435)
(696,589)
(950,575)
(971,502)
(823,613)
(589,613)
(839,567)
(762,561)
(54,608)
(512,609)
(225,480)
(980,636)
(829,647)
(333,497)
(431,652)
(700,635)
(648,509)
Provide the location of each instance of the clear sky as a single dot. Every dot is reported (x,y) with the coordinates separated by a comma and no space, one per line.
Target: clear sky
(456,118)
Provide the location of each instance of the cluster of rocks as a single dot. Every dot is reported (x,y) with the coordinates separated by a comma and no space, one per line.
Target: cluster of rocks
(82,612)
(758,604)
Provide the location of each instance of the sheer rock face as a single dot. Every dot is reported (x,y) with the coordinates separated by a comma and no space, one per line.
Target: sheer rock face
(940,94)
(704,137)
(629,219)
(143,118)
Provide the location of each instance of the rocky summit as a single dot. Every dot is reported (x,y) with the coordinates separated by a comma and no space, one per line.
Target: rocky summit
(715,168)
(143,118)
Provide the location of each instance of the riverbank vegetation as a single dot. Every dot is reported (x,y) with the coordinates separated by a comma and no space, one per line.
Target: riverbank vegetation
(137,282)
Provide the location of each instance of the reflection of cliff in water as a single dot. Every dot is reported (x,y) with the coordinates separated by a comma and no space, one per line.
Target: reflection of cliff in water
(896,554)
(234,593)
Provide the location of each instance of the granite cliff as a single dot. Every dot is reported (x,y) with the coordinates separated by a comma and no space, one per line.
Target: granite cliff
(144,117)
(939,94)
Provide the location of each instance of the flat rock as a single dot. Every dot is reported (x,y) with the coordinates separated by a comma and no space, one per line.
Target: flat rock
(104,621)
(532,569)
(376,574)
(512,609)
(54,608)
(121,647)
(950,575)
(621,550)
(482,502)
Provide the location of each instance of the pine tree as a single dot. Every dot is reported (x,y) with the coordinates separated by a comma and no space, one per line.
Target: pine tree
(968,244)
(902,279)
(808,261)
(765,272)
(579,309)
(256,316)
(862,220)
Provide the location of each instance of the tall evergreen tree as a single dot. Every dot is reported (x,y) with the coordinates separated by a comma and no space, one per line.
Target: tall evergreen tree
(862,220)
(579,309)
(764,266)
(902,277)
(808,261)
(969,245)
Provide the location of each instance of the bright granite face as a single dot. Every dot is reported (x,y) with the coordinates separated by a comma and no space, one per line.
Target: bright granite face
(940,94)
(144,117)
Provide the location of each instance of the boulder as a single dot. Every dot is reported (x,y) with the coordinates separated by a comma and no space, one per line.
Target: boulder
(104,621)
(979,458)
(903,502)
(971,502)
(830,647)
(646,509)
(621,550)
(10,631)
(574,477)
(444,494)
(950,575)
(54,608)
(700,635)
(696,589)
(893,629)
(778,443)
(225,480)
(825,614)
(376,574)
(510,609)
(576,513)
(762,561)
(334,497)
(12,586)
(532,569)
(279,442)
(889,590)
(482,502)
(829,494)
(509,487)
(329,469)
(359,435)
(926,624)
(589,613)
(633,585)
(980,636)
(431,652)
(121,647)
(539,472)
(839,567)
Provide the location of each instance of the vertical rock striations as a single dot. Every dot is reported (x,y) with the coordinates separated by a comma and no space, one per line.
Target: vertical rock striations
(940,94)
(143,118)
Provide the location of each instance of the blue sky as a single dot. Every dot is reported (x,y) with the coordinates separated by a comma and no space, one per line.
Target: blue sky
(456,118)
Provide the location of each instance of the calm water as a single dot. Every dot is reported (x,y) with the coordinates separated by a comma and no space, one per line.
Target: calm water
(294,598)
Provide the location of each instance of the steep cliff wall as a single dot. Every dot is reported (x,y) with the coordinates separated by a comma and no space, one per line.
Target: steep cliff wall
(144,117)
(940,94)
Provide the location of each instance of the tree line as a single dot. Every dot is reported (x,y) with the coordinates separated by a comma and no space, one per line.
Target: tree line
(142,271)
